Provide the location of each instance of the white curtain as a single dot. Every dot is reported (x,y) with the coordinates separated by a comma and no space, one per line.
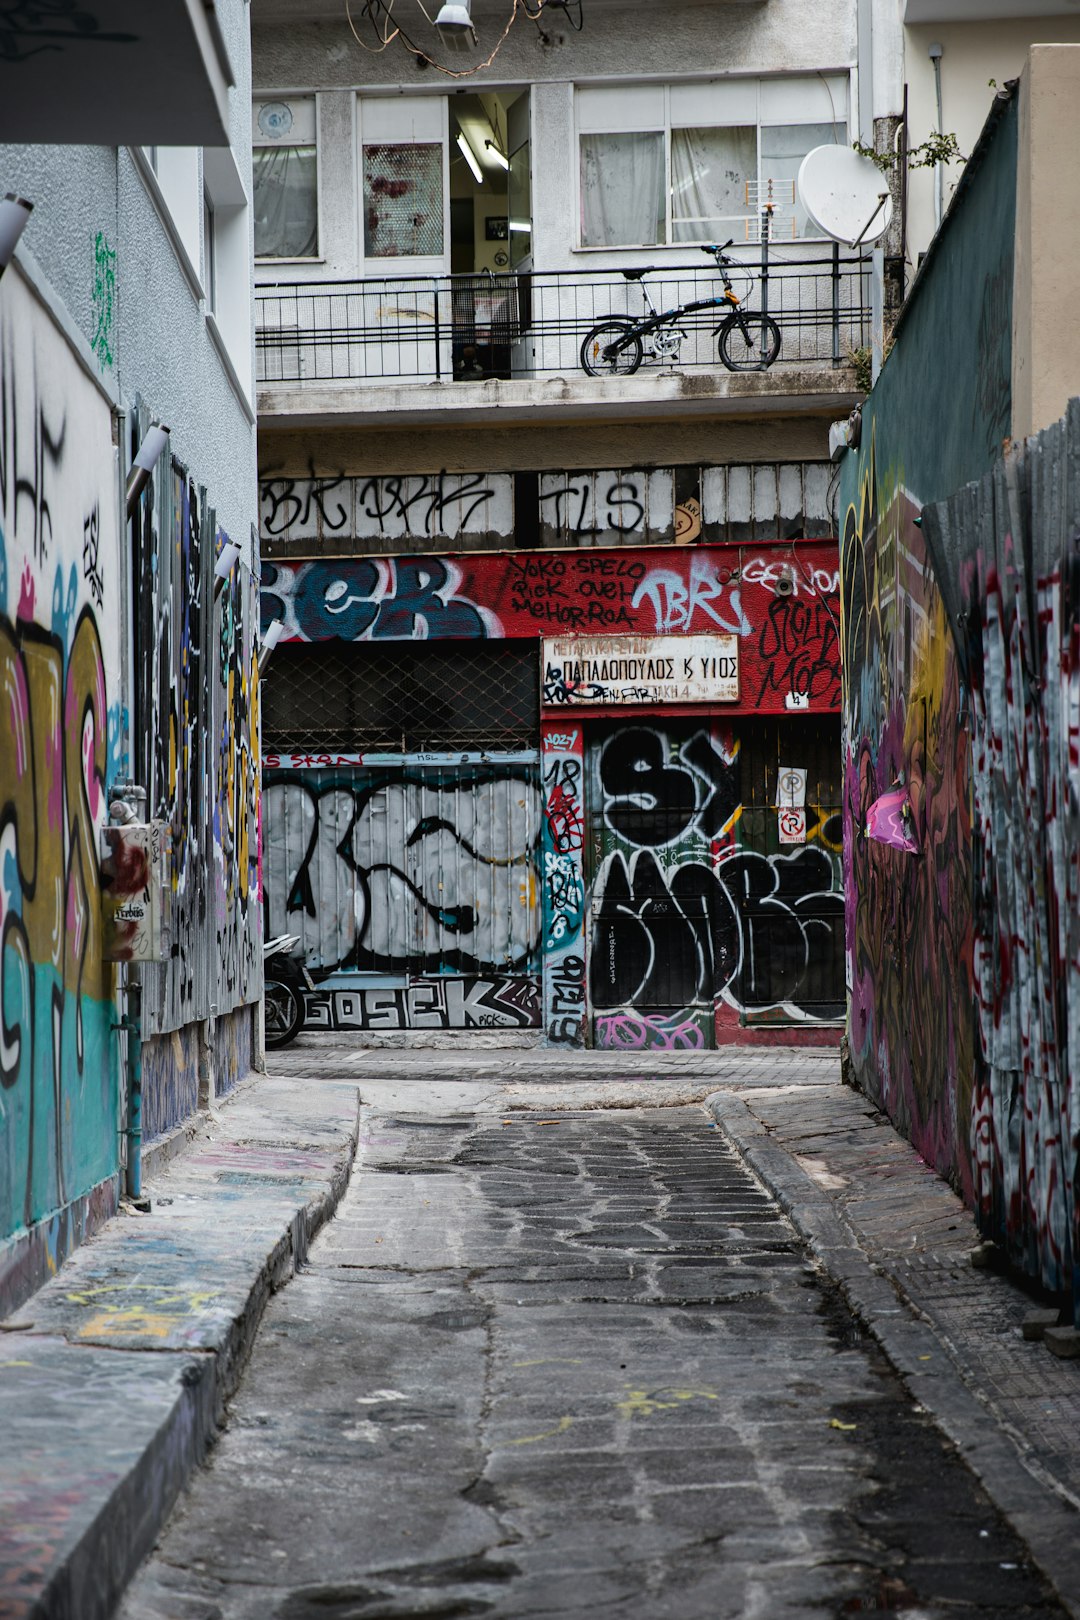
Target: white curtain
(622,190)
(709,171)
(285,202)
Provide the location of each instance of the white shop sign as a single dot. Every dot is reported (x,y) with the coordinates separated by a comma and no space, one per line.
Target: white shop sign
(641,669)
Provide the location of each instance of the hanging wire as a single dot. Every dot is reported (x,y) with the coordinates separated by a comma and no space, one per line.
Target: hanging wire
(384,8)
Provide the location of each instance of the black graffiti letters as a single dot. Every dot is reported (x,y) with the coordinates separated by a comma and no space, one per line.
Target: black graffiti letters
(650,801)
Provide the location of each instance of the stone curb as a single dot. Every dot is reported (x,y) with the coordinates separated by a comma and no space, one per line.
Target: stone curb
(104,1422)
(1001,1461)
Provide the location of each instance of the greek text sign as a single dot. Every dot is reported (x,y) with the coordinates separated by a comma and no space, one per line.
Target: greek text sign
(641,669)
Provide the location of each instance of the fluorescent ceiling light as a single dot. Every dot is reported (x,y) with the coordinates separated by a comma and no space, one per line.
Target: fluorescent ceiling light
(497,157)
(520,225)
(470,157)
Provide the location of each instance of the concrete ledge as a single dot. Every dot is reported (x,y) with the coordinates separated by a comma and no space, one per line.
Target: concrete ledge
(823,390)
(114,1376)
(1005,1465)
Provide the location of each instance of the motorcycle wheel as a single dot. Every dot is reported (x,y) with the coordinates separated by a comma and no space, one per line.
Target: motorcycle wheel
(283,1013)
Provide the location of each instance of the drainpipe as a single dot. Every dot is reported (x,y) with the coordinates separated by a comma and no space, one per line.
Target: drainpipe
(936,53)
(131,1023)
(129,805)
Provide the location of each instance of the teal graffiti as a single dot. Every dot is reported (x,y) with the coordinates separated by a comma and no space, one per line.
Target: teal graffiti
(104,301)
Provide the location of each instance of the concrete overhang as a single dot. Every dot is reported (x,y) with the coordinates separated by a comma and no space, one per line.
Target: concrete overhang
(942,11)
(115,73)
(800,391)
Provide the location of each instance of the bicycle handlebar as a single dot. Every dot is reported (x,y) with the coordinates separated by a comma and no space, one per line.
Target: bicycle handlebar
(714,247)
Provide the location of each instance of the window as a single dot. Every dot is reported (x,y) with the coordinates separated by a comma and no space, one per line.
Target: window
(404,177)
(403,201)
(209,253)
(285,179)
(695,162)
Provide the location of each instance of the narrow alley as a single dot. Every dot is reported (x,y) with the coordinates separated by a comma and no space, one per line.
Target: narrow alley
(550,1360)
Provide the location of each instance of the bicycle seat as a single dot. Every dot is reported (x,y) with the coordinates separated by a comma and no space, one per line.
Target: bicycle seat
(636,275)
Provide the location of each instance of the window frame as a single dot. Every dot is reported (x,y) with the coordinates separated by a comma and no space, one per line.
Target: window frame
(665,87)
(259,98)
(371,108)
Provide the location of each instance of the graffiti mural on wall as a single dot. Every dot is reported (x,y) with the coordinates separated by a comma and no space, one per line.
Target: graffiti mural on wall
(376,513)
(59,676)
(440,1003)
(562,849)
(236,779)
(909,919)
(781,602)
(418,869)
(684,915)
(1007,556)
(197,694)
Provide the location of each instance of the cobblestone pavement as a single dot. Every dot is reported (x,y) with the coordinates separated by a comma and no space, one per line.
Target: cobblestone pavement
(548,1361)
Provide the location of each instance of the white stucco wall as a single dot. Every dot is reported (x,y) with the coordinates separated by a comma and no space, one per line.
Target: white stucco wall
(974,53)
(631,42)
(162,344)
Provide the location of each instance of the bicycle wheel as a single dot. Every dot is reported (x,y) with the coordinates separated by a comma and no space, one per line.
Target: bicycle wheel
(623,363)
(759,352)
(283,1013)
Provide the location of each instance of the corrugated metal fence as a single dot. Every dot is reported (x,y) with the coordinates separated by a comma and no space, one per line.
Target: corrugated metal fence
(1007,556)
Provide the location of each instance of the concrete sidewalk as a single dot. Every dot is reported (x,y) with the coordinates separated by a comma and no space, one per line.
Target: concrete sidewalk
(113,1377)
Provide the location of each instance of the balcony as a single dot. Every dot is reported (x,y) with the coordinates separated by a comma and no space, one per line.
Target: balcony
(511,343)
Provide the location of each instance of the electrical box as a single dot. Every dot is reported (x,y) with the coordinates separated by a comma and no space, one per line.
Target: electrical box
(132,883)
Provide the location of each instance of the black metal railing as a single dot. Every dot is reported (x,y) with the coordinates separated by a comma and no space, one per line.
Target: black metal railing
(469,328)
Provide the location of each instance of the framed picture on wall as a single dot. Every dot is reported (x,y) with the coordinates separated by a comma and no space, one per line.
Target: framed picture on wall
(496,230)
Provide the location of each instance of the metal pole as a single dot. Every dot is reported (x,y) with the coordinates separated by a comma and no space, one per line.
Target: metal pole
(131,1023)
(877,312)
(836,303)
(765,214)
(438,341)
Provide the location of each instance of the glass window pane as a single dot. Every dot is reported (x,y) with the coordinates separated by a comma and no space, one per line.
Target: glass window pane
(285,200)
(783,148)
(519,182)
(403,201)
(622,190)
(709,172)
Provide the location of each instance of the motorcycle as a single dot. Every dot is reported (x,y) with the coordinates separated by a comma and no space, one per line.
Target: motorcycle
(286,978)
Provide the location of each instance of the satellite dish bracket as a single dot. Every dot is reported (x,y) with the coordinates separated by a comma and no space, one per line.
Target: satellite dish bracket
(883,197)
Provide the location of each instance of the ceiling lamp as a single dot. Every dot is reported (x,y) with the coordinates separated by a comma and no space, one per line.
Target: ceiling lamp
(455,25)
(496,156)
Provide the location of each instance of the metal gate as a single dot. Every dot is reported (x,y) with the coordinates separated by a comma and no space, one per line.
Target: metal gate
(412,883)
(699,914)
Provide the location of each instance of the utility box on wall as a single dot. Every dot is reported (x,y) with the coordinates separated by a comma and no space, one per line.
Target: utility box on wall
(132,879)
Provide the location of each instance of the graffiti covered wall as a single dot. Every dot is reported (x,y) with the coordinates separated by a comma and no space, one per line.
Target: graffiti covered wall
(198,752)
(1008,562)
(563,846)
(420,871)
(61,741)
(909,925)
(781,602)
(701,922)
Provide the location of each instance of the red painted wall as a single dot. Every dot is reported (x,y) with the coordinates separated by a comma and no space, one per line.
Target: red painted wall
(780,598)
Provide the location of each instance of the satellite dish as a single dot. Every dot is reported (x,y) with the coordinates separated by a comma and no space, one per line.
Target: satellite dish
(845,195)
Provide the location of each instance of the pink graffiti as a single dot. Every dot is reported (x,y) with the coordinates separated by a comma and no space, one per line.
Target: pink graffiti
(629,1031)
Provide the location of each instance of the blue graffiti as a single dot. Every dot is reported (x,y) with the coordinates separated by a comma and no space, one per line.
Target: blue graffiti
(396,599)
